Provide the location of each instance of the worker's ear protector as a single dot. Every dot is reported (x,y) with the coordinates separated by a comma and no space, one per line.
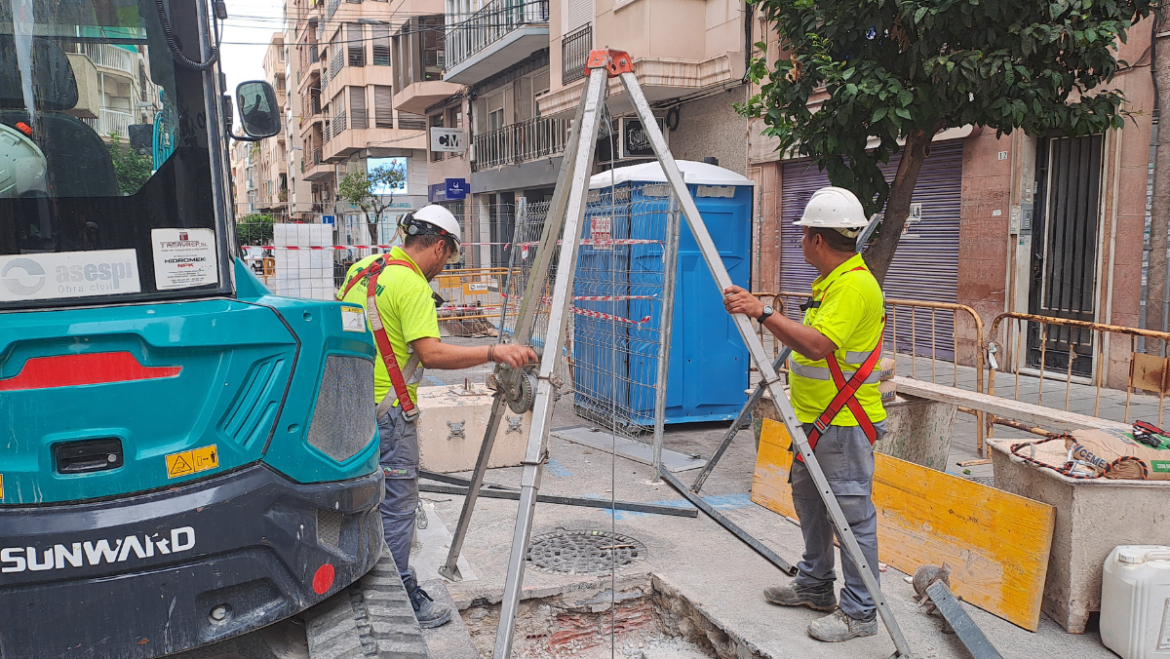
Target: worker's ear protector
(413,227)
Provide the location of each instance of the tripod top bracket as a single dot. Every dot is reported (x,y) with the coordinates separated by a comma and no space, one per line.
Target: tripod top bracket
(616,62)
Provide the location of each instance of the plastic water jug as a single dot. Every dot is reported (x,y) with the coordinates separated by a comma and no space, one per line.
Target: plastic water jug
(1135,602)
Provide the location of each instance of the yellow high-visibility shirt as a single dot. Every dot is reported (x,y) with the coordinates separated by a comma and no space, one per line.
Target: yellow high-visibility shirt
(850,314)
(408,313)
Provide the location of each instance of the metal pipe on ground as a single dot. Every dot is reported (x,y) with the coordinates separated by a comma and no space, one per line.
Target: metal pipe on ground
(738,532)
(514,495)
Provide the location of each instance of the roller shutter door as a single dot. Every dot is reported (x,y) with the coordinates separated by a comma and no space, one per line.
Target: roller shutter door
(925,267)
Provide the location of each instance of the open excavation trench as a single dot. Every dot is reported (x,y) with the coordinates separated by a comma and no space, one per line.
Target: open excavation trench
(645,618)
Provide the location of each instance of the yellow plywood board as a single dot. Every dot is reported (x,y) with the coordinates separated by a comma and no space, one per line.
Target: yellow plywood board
(996,543)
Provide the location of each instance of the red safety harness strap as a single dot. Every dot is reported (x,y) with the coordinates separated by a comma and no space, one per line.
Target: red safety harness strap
(409,411)
(847,391)
(847,396)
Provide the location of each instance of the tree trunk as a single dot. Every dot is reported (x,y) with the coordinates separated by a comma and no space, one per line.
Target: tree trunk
(372,226)
(914,153)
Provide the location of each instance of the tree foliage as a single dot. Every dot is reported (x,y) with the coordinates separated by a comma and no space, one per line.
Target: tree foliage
(363,190)
(254,229)
(903,70)
(131,168)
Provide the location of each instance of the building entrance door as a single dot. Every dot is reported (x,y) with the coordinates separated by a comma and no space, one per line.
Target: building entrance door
(1064,251)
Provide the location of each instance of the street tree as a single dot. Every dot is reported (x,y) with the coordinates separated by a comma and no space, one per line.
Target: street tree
(131,168)
(901,71)
(373,193)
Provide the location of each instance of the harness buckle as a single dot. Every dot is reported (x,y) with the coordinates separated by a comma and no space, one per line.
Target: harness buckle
(821,425)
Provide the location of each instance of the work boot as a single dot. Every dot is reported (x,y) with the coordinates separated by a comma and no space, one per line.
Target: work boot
(428,614)
(840,626)
(817,598)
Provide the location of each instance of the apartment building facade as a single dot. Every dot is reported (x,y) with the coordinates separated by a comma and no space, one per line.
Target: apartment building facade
(419,47)
(522,66)
(344,108)
(115,91)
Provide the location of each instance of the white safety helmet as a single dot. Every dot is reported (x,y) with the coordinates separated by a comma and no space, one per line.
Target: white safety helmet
(834,208)
(22,164)
(435,220)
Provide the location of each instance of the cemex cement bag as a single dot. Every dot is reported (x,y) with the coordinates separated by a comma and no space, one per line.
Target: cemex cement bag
(1144,453)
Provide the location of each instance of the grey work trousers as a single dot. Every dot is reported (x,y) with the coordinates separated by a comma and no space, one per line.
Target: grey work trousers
(846,456)
(399,461)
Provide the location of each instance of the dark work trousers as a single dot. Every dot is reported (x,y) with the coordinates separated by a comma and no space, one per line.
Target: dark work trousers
(400,463)
(846,457)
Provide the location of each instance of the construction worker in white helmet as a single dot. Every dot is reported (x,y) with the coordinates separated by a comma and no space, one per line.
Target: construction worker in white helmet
(406,333)
(834,390)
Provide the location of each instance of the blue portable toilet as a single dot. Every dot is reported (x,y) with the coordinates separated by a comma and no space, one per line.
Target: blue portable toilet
(708,360)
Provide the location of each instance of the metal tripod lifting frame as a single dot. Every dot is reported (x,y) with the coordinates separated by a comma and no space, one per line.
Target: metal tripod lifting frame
(566,215)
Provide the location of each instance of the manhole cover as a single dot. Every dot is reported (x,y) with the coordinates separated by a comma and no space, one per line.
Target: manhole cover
(584,552)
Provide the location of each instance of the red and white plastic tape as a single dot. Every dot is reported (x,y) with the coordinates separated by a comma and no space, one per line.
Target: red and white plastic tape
(605,316)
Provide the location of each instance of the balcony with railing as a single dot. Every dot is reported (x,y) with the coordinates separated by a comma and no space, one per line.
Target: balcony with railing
(503,33)
(575,48)
(421,58)
(315,167)
(521,142)
(110,57)
(110,121)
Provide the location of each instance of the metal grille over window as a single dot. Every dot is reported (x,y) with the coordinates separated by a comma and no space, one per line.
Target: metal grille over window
(343,418)
(574,51)
(357,108)
(356,47)
(383,106)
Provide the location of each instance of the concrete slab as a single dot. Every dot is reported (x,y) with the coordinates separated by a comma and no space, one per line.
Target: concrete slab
(432,544)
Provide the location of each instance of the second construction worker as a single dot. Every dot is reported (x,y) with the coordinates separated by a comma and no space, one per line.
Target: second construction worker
(406,333)
(834,390)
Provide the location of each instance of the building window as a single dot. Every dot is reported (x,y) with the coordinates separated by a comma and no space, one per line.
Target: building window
(411,121)
(335,57)
(356,47)
(436,122)
(383,106)
(357,108)
(338,105)
(381,43)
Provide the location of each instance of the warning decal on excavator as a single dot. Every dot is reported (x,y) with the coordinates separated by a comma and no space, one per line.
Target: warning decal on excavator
(192,462)
(1,487)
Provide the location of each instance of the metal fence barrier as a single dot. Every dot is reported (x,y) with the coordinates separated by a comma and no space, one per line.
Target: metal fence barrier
(1064,350)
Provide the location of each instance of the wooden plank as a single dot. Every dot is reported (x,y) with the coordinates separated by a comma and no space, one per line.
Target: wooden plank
(996,543)
(1045,417)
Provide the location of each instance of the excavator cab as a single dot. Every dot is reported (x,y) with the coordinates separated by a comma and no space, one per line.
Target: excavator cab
(184,457)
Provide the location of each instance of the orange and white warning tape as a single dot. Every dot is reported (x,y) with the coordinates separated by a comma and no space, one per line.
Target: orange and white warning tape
(605,316)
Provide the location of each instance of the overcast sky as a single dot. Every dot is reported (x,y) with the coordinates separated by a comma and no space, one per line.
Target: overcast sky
(250,22)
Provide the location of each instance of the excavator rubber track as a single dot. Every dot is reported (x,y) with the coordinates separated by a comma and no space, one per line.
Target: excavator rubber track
(372,619)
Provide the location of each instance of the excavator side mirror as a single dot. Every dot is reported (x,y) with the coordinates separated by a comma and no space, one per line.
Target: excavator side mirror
(259,112)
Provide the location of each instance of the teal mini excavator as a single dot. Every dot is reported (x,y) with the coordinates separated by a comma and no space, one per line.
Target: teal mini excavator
(184,457)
